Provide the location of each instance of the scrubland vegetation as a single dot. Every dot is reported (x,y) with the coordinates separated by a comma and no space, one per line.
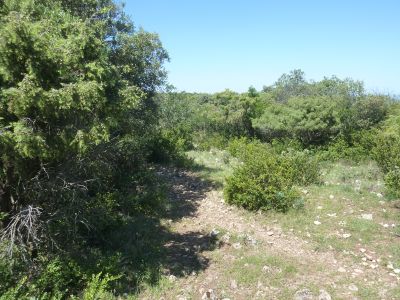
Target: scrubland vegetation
(87,120)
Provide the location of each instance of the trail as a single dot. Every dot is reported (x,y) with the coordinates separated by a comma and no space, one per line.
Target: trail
(218,251)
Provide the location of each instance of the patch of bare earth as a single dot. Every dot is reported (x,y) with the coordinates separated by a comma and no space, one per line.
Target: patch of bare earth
(217,251)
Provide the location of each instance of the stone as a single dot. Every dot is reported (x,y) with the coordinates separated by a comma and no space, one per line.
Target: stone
(353,288)
(304,294)
(172,278)
(342,270)
(237,245)
(331,197)
(270,233)
(209,295)
(346,235)
(317,222)
(214,232)
(234,285)
(366,216)
(324,295)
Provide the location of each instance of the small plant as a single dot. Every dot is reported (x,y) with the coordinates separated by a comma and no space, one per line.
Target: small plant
(264,181)
(97,287)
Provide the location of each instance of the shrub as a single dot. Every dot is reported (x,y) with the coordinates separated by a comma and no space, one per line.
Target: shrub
(306,167)
(97,287)
(262,183)
(392,182)
(266,179)
(386,151)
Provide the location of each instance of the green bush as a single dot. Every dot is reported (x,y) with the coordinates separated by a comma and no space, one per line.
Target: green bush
(306,167)
(262,183)
(386,152)
(266,179)
(392,182)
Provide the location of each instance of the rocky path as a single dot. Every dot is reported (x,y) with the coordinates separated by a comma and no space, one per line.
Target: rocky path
(217,251)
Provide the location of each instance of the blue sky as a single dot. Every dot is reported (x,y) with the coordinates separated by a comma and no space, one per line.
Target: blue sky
(218,44)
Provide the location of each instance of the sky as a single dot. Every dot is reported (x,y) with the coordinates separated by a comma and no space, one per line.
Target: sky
(218,44)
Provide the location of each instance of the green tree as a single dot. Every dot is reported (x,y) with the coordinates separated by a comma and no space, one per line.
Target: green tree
(77,111)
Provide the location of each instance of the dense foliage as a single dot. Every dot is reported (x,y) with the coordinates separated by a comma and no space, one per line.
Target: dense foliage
(77,116)
(266,179)
(386,151)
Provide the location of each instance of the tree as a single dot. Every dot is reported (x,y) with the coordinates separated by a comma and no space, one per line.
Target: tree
(77,83)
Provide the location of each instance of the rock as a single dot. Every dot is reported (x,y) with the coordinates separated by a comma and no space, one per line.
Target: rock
(353,288)
(397,271)
(237,245)
(373,266)
(362,250)
(304,294)
(319,207)
(379,195)
(172,278)
(346,235)
(234,285)
(214,232)
(366,216)
(270,233)
(209,295)
(332,215)
(317,222)
(324,295)
(266,269)
(342,270)
(331,197)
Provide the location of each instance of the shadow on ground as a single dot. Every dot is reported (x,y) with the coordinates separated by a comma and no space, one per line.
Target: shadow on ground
(184,250)
(185,191)
(144,249)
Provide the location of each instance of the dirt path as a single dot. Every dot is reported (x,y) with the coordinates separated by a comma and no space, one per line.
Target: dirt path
(217,251)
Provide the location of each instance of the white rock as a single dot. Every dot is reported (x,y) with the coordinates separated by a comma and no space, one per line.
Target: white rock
(379,195)
(353,287)
(317,222)
(331,197)
(366,216)
(172,278)
(319,207)
(342,270)
(270,233)
(324,295)
(237,245)
(373,266)
(346,235)
(234,285)
(397,271)
(209,295)
(332,215)
(362,250)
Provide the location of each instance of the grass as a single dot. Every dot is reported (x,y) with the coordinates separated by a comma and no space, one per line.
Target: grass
(214,165)
(343,204)
(350,194)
